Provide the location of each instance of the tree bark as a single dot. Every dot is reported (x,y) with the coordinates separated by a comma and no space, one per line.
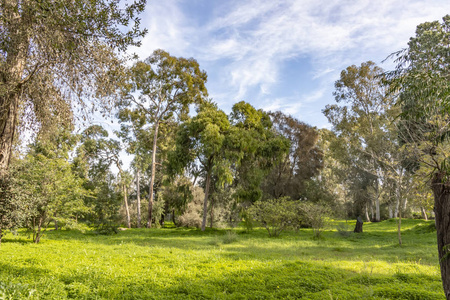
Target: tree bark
(11,79)
(211,214)
(441,191)
(152,178)
(173,217)
(424,213)
(138,196)
(125,198)
(205,201)
(367,213)
(359,225)
(377,209)
(399,207)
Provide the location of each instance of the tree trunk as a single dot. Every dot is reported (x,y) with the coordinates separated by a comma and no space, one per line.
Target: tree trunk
(152,180)
(391,212)
(173,217)
(211,214)
(377,208)
(367,213)
(125,198)
(138,196)
(441,191)
(372,216)
(424,213)
(399,207)
(205,201)
(359,225)
(8,120)
(11,83)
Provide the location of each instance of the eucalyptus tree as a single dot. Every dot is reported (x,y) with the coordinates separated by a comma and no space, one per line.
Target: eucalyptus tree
(56,55)
(201,143)
(422,80)
(94,157)
(301,161)
(167,85)
(363,119)
(256,147)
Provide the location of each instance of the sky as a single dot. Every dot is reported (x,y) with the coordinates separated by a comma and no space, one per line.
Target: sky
(282,54)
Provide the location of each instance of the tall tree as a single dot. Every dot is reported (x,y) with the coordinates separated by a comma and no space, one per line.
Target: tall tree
(201,141)
(301,162)
(256,146)
(363,119)
(51,51)
(422,78)
(167,86)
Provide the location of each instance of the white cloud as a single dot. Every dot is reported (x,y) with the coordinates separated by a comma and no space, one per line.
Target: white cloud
(247,44)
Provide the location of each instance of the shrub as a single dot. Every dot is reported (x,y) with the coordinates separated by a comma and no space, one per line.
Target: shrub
(229,237)
(276,215)
(316,215)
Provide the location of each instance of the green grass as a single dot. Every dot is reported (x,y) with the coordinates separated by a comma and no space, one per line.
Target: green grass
(222,264)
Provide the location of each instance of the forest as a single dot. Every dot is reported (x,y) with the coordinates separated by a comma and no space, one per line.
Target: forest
(384,162)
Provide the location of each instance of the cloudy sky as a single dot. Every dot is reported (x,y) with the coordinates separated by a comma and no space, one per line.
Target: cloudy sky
(282,54)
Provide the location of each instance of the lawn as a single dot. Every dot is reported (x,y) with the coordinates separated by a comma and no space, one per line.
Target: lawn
(173,263)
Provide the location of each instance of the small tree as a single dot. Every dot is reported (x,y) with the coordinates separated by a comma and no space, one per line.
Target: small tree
(276,215)
(316,215)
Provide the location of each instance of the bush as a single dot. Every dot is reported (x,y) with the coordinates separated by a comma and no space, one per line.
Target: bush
(276,215)
(317,216)
(230,237)
(192,217)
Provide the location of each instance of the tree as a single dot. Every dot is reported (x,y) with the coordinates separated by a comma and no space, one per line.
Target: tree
(301,161)
(422,81)
(256,147)
(51,51)
(201,141)
(45,181)
(94,157)
(363,120)
(167,86)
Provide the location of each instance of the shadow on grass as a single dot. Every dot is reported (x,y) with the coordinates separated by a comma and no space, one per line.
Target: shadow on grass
(291,280)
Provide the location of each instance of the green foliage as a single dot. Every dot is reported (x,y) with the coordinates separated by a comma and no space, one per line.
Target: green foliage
(298,158)
(276,215)
(316,215)
(45,186)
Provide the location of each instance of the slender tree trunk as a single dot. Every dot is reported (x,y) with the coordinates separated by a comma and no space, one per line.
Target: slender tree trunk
(152,178)
(211,214)
(125,198)
(424,213)
(367,213)
(205,201)
(377,208)
(138,191)
(173,217)
(372,216)
(399,207)
(1,235)
(441,191)
(391,212)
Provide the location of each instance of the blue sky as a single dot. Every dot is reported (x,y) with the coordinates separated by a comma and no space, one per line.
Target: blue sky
(282,54)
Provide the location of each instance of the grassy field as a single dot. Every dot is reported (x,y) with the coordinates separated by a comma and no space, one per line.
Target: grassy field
(175,263)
